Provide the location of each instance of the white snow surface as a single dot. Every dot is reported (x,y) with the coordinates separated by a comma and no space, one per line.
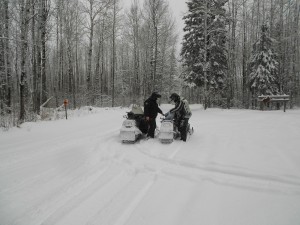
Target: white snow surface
(240,167)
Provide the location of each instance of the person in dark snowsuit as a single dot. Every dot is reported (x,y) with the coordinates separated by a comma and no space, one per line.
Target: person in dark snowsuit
(151,110)
(182,114)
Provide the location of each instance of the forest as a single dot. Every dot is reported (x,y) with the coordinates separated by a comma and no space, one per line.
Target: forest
(98,53)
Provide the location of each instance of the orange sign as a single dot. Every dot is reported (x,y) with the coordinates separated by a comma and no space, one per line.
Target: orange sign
(66,102)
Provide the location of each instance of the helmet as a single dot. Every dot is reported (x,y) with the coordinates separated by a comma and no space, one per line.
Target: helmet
(175,97)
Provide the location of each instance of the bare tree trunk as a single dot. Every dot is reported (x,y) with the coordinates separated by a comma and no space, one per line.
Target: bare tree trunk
(136,47)
(44,16)
(16,65)
(258,22)
(113,54)
(272,18)
(94,9)
(156,10)
(281,49)
(205,55)
(155,56)
(295,53)
(98,58)
(233,83)
(24,15)
(8,60)
(70,65)
(61,47)
(56,60)
(263,12)
(244,66)
(172,69)
(76,73)
(90,50)
(163,59)
(297,57)
(2,62)
(36,105)
(102,64)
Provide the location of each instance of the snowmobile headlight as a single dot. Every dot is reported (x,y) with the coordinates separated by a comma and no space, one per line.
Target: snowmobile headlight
(167,124)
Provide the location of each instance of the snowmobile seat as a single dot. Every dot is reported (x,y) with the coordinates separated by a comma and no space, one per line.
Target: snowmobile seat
(137,114)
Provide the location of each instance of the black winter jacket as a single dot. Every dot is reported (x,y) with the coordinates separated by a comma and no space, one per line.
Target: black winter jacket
(151,108)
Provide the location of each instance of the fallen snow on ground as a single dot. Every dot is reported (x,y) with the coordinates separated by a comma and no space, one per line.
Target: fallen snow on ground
(240,167)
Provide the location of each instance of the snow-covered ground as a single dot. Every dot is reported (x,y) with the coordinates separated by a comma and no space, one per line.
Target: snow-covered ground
(240,167)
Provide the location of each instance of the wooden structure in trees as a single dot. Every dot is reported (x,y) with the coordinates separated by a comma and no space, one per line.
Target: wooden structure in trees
(271,100)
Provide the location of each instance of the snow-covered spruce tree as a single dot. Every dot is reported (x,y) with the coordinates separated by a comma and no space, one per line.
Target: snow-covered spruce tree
(263,65)
(204,53)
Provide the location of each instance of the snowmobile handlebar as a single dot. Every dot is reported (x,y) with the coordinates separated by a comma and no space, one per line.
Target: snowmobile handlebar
(168,116)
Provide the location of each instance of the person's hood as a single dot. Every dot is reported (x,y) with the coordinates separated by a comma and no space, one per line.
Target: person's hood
(155,95)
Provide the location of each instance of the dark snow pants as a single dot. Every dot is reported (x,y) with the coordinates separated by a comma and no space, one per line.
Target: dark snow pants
(183,128)
(152,126)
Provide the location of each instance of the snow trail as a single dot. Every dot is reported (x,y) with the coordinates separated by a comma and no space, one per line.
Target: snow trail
(239,167)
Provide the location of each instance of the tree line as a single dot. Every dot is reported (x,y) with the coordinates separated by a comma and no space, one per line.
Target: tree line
(93,52)
(235,50)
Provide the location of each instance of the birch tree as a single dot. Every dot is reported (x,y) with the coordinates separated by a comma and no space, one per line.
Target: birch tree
(156,10)
(93,9)
(134,18)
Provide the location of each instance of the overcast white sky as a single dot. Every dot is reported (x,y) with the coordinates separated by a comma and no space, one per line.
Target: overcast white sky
(178,7)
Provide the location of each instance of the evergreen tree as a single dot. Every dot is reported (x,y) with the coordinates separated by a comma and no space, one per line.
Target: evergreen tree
(204,52)
(263,65)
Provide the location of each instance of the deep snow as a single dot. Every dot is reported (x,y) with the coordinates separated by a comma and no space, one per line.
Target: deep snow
(240,167)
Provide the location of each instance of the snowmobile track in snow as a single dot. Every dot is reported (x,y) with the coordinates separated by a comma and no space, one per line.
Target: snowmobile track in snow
(226,175)
(87,197)
(114,213)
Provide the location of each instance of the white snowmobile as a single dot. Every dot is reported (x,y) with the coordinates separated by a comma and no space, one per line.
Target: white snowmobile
(134,126)
(169,130)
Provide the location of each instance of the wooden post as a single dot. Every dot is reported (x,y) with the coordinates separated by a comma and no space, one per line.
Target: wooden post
(65,104)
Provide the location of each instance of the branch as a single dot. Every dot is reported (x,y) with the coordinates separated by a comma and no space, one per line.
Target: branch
(45,103)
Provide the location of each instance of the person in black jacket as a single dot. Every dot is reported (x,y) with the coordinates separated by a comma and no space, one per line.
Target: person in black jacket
(151,110)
